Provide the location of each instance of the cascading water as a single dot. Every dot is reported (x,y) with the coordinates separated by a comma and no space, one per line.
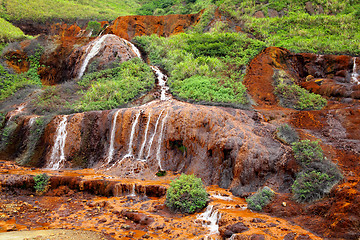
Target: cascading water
(132,193)
(145,137)
(162,79)
(135,49)
(112,138)
(355,75)
(32,121)
(158,158)
(57,158)
(91,52)
(153,136)
(211,218)
(130,149)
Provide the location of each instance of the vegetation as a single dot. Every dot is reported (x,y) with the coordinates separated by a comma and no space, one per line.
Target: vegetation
(9,32)
(186,194)
(94,27)
(42,10)
(287,134)
(318,176)
(260,199)
(41,183)
(114,87)
(198,63)
(294,96)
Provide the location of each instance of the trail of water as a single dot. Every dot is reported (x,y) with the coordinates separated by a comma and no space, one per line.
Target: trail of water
(211,218)
(355,75)
(130,149)
(112,138)
(132,193)
(57,158)
(145,136)
(91,52)
(32,121)
(153,136)
(162,79)
(135,49)
(158,158)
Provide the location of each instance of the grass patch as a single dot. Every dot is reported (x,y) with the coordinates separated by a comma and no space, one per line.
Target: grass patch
(198,63)
(41,183)
(186,194)
(9,32)
(260,199)
(42,10)
(287,134)
(114,87)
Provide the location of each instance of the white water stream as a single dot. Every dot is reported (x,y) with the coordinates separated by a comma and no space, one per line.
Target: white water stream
(91,51)
(112,138)
(132,193)
(135,123)
(57,158)
(135,49)
(145,137)
(211,219)
(355,75)
(158,158)
(153,136)
(162,79)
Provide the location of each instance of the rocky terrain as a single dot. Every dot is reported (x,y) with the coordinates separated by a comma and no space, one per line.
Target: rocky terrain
(103,164)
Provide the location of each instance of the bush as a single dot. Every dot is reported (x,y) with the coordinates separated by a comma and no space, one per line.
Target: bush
(260,199)
(95,27)
(307,151)
(41,183)
(311,185)
(287,134)
(318,176)
(186,194)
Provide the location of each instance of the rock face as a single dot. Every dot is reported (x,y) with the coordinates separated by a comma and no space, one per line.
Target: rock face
(232,148)
(128,27)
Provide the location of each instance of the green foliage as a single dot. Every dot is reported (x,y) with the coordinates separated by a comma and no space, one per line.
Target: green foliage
(287,134)
(311,185)
(9,32)
(318,175)
(41,183)
(10,83)
(186,194)
(42,10)
(207,89)
(160,173)
(260,199)
(307,151)
(95,27)
(203,61)
(165,7)
(294,96)
(114,87)
(6,133)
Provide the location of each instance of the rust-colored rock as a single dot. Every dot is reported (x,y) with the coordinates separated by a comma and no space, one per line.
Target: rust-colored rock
(129,27)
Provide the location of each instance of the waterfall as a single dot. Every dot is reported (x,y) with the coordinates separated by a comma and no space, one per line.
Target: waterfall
(135,49)
(162,79)
(153,136)
(355,75)
(32,121)
(57,158)
(132,193)
(130,150)
(160,141)
(145,136)
(211,218)
(112,138)
(91,52)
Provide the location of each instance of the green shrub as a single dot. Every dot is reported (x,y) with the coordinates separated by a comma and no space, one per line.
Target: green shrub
(287,134)
(260,199)
(186,194)
(41,183)
(307,151)
(311,185)
(114,87)
(95,27)
(318,176)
